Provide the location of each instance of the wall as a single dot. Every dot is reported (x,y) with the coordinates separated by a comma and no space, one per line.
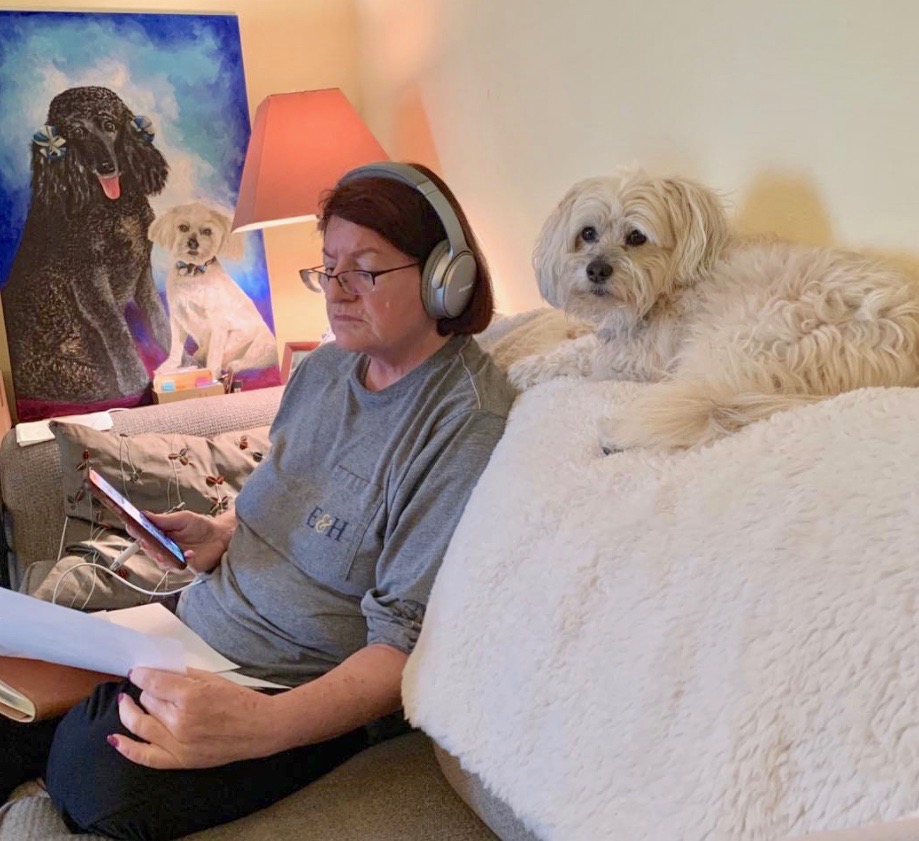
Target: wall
(287,45)
(802,113)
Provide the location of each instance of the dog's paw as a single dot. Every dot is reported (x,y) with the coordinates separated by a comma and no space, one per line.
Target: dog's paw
(527,372)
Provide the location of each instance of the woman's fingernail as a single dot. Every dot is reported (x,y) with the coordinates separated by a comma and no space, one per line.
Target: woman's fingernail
(120,696)
(112,740)
(129,673)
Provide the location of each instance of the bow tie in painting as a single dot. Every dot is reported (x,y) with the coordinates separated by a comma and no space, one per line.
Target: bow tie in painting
(190,269)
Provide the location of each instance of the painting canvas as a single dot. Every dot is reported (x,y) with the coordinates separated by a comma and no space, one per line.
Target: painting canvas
(122,140)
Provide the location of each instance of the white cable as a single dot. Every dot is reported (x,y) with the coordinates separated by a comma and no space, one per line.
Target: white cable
(160,583)
(89,595)
(98,567)
(60,552)
(118,562)
(478,397)
(60,547)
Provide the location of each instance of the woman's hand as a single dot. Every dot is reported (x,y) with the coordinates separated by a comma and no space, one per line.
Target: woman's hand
(196,720)
(203,539)
(201,720)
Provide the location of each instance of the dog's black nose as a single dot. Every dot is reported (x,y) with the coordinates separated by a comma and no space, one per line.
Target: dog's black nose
(106,168)
(192,242)
(599,271)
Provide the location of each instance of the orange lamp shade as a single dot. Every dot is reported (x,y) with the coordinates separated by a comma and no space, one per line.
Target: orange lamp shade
(301,144)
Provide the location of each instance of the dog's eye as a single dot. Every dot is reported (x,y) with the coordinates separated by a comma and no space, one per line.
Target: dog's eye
(589,234)
(183,229)
(78,132)
(109,126)
(206,232)
(635,238)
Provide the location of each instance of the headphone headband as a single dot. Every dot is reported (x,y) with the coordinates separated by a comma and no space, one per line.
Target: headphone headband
(417,179)
(449,275)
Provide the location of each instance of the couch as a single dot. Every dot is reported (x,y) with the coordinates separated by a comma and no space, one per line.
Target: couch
(400,789)
(845,461)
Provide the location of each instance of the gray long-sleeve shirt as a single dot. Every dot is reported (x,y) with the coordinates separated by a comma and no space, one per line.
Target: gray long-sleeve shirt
(343,527)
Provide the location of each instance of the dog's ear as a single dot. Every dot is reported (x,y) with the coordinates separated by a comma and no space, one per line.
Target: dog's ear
(232,246)
(552,248)
(162,230)
(58,183)
(143,162)
(700,225)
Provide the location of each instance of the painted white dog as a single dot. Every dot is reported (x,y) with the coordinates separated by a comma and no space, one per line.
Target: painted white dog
(730,331)
(204,301)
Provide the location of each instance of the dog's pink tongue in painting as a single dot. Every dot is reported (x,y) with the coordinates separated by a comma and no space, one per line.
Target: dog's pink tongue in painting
(111,184)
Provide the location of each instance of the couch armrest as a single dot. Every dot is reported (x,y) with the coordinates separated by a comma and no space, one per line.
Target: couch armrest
(204,416)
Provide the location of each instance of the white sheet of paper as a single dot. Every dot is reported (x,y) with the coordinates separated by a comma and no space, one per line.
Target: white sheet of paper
(158,621)
(43,631)
(34,432)
(113,641)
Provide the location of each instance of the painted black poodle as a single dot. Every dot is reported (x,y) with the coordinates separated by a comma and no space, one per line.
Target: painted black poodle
(84,255)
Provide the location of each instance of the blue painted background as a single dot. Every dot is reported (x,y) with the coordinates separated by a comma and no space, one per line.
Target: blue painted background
(185,72)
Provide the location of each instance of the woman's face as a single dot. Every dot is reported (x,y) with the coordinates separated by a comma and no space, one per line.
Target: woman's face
(388,321)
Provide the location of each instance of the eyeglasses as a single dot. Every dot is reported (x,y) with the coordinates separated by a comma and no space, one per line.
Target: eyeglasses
(354,282)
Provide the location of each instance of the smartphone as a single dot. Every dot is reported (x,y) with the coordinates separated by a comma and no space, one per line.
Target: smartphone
(125,510)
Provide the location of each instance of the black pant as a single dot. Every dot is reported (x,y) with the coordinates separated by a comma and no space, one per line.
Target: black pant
(100,791)
(24,750)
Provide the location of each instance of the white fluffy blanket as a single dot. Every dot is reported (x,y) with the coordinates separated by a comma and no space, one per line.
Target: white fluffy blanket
(720,644)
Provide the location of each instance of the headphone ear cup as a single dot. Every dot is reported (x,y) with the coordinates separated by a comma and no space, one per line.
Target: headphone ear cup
(432,280)
(447,283)
(459,284)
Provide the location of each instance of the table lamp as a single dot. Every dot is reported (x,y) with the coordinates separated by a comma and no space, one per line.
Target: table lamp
(301,144)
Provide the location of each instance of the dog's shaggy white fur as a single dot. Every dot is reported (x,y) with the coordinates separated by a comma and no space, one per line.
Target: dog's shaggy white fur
(732,331)
(204,301)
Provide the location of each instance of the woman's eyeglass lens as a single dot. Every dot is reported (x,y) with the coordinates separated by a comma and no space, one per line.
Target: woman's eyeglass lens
(354,282)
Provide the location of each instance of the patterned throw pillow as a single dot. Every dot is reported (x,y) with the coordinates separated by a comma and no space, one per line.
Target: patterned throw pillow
(156,471)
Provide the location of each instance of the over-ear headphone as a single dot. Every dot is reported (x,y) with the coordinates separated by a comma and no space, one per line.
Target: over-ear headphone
(449,273)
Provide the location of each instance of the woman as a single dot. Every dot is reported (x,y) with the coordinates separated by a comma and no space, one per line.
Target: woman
(320,577)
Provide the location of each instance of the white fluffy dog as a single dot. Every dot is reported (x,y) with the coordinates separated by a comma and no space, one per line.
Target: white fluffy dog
(730,331)
(204,301)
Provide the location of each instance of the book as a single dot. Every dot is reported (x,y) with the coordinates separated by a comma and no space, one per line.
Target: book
(33,690)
